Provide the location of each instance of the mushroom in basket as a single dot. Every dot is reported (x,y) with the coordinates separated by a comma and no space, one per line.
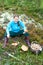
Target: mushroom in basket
(35,47)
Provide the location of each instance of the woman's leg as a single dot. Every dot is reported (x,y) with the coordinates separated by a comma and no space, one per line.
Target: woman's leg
(5,40)
(12,34)
(26,34)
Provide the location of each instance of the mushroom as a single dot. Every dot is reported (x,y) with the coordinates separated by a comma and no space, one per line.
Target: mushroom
(24,48)
(15,44)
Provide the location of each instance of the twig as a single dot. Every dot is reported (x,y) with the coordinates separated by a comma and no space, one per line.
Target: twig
(14,57)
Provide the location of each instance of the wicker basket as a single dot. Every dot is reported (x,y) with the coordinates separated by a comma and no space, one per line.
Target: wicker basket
(35,47)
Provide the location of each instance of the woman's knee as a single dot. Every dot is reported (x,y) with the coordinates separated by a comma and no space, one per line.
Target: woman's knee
(26,34)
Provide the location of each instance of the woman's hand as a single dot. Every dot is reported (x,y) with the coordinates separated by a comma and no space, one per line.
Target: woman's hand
(26,30)
(8,36)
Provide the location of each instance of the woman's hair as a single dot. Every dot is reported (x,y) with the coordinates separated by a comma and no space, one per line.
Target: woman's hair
(16,15)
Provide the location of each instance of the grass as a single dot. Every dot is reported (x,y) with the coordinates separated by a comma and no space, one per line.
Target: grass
(19,57)
(41,6)
(25,58)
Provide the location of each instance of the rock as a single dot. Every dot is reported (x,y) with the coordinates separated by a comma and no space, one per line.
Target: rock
(8,16)
(1,20)
(27,21)
(39,26)
(24,48)
(4,28)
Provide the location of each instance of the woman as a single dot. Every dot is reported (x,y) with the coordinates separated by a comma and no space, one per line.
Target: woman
(14,28)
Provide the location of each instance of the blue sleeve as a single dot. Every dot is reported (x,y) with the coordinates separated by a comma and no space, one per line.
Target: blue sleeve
(8,27)
(22,25)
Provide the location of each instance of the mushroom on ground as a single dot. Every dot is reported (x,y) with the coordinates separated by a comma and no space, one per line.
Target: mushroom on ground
(24,48)
(15,44)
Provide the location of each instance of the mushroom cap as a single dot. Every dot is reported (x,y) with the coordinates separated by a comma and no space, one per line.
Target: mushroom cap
(14,44)
(24,48)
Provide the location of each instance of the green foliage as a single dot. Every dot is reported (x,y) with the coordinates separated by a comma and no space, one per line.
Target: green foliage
(28,4)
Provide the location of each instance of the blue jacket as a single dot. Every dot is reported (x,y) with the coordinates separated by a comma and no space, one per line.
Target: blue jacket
(13,26)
